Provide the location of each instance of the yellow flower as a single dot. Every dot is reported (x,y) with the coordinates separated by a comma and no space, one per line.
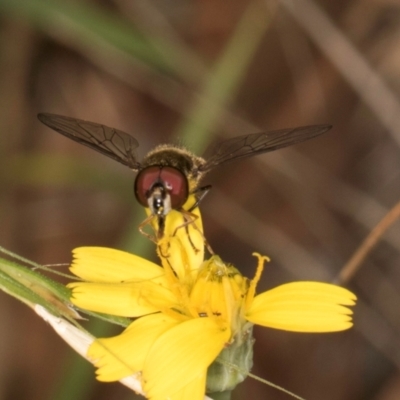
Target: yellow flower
(189,311)
(188,315)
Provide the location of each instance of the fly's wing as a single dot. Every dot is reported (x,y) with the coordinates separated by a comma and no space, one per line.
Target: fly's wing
(258,143)
(111,142)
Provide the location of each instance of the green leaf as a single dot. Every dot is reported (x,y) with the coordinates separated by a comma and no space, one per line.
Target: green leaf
(32,287)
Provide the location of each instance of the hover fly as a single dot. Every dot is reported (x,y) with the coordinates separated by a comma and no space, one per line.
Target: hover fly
(169,174)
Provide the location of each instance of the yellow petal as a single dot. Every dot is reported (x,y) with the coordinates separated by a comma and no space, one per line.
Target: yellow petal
(193,391)
(183,241)
(125,300)
(123,355)
(303,307)
(181,355)
(101,264)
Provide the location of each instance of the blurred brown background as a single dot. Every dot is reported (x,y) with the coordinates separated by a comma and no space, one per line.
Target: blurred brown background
(195,72)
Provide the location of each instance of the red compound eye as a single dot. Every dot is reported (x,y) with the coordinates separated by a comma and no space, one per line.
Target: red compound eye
(173,180)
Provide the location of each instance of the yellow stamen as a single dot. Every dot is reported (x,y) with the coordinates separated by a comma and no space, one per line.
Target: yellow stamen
(253,283)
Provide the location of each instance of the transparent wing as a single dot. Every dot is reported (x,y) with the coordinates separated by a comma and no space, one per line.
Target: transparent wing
(258,143)
(111,142)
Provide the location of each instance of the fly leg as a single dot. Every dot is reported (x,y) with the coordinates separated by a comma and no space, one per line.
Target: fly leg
(143,224)
(191,218)
(158,239)
(200,193)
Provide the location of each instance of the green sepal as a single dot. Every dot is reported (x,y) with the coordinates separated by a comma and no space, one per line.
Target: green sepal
(221,375)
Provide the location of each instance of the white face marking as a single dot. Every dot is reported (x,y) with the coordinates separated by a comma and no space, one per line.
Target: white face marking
(163,199)
(167,204)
